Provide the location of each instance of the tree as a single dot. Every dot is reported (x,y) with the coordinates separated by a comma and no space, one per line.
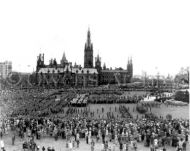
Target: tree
(183,76)
(182,96)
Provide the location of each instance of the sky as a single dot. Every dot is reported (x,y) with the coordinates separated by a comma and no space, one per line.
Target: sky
(156,34)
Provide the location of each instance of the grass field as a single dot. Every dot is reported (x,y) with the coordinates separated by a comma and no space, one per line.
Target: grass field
(175,111)
(181,112)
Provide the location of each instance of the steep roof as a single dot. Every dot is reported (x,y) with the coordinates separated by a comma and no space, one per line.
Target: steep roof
(64,59)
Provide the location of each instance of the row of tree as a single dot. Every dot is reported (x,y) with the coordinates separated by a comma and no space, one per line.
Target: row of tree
(182,96)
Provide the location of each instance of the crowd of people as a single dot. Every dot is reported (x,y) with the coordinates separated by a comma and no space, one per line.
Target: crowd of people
(122,132)
(113,132)
(44,102)
(15,98)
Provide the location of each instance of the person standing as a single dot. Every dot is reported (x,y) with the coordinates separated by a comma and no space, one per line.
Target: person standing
(135,145)
(13,139)
(121,146)
(92,145)
(156,143)
(2,144)
(77,139)
(114,146)
(1,133)
(106,146)
(86,136)
(180,144)
(126,146)
(184,145)
(89,136)
(70,145)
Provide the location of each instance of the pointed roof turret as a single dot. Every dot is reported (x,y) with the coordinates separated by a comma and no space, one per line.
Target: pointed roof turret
(128,64)
(88,42)
(64,59)
(131,62)
(98,58)
(104,67)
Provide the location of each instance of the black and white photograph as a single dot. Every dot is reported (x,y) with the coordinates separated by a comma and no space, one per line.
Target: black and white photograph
(94,75)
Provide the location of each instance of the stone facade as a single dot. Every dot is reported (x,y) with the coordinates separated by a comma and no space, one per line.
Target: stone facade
(65,74)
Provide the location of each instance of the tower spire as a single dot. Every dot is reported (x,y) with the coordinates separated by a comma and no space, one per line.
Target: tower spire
(131,60)
(128,64)
(64,57)
(88,37)
(104,66)
(88,52)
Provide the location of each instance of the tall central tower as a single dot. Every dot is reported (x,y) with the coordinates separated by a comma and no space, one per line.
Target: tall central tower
(88,52)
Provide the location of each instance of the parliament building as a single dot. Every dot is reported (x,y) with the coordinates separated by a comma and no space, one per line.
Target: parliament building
(65,74)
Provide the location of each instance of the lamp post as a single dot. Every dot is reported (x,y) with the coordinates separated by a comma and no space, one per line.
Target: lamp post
(158,84)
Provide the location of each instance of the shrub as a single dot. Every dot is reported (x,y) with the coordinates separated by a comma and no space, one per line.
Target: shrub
(141,109)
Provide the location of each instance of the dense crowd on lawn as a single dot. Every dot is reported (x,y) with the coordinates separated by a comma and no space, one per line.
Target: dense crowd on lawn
(40,101)
(112,98)
(123,132)
(14,99)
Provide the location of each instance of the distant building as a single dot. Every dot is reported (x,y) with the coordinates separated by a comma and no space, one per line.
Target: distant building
(5,69)
(118,75)
(65,73)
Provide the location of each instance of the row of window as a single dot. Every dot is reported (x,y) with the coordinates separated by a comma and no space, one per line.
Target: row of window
(76,72)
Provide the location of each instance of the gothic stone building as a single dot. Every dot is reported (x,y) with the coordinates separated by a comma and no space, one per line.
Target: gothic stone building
(65,74)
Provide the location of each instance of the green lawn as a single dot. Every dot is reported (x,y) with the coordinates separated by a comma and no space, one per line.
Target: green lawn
(163,110)
(175,111)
